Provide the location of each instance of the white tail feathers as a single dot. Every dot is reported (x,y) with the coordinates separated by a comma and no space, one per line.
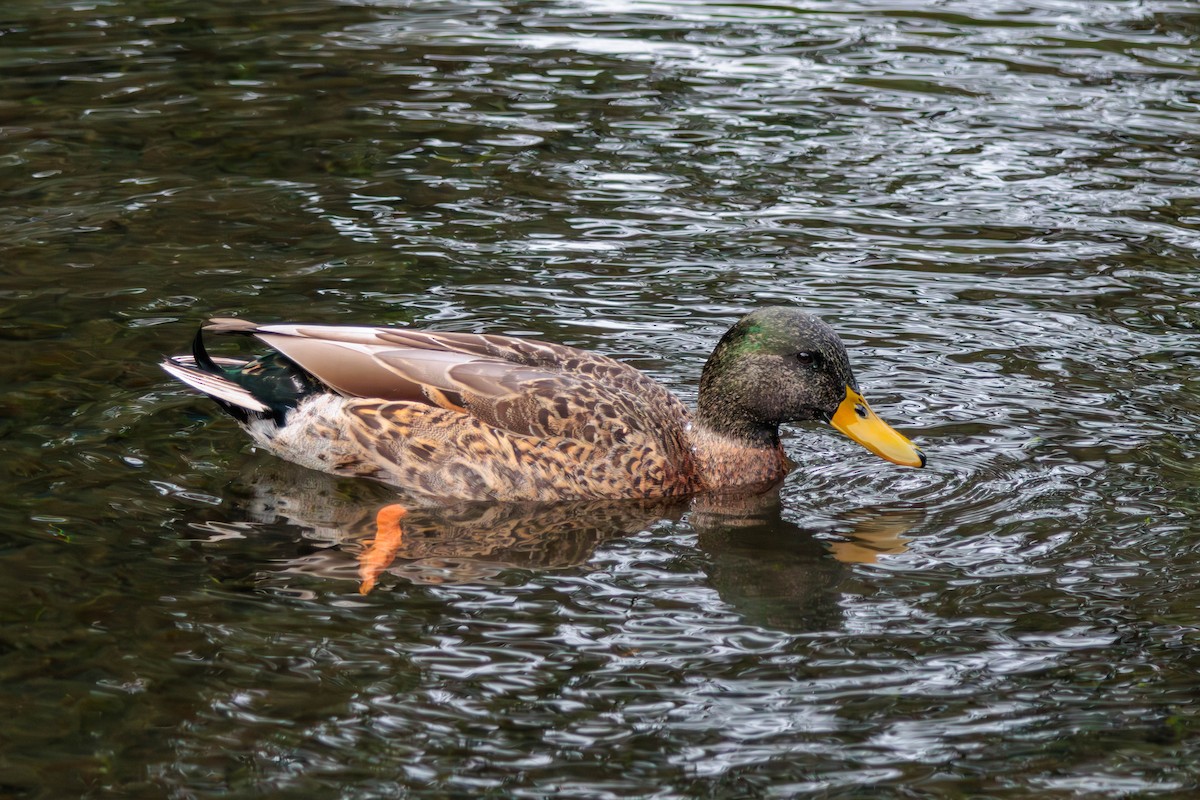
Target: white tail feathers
(213,385)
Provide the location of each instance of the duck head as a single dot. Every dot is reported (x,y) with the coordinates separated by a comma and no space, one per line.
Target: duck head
(780,365)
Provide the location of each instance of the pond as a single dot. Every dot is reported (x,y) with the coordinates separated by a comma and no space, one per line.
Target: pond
(997,204)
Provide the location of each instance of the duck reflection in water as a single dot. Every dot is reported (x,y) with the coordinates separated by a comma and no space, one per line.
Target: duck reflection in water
(780,574)
(775,572)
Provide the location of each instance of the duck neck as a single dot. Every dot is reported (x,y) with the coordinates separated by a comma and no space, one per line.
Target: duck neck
(729,455)
(733,445)
(722,418)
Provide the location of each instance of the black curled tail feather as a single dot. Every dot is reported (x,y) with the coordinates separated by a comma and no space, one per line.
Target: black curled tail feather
(267,387)
(200,354)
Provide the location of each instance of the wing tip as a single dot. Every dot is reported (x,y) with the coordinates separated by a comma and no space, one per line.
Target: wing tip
(231,325)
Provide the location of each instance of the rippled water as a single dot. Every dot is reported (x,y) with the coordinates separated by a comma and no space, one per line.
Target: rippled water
(995,202)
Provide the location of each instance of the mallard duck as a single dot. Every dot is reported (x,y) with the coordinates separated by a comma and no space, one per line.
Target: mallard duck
(482,417)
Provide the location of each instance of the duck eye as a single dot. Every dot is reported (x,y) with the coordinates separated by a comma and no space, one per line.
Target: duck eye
(806,359)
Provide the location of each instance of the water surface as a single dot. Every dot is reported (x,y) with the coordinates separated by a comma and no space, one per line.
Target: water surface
(994,202)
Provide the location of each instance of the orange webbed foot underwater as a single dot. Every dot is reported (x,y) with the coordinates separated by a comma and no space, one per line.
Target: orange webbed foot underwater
(378,553)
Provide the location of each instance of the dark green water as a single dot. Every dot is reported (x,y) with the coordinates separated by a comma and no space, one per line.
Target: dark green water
(995,202)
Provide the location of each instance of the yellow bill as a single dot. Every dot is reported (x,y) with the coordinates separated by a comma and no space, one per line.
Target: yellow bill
(855,419)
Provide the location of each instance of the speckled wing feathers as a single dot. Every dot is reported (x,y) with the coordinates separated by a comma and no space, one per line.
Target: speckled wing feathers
(484,415)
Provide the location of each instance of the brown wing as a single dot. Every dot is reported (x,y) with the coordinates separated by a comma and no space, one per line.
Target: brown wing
(522,386)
